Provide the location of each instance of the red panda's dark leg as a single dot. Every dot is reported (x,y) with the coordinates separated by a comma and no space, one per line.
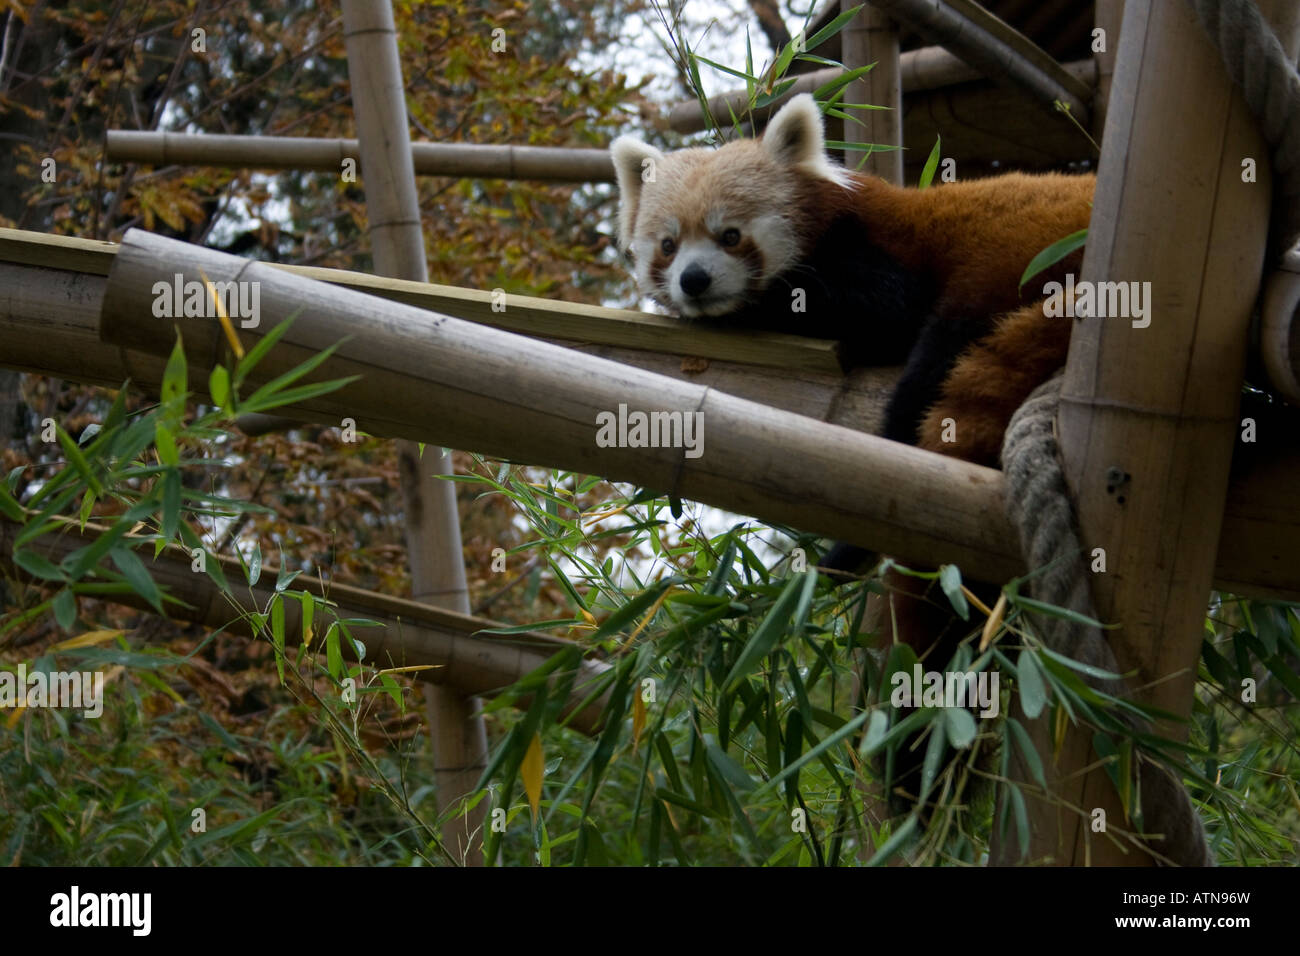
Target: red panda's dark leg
(976,398)
(917,613)
(944,336)
(990,381)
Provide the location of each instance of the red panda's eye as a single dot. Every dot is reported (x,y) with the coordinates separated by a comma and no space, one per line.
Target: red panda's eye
(731,237)
(668,246)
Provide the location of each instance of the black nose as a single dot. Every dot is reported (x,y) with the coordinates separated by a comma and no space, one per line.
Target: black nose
(694,280)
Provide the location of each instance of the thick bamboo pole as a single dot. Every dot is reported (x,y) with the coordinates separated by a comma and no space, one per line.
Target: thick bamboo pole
(467,386)
(410,633)
(996,49)
(433,544)
(49,325)
(483,161)
(541,318)
(1148,415)
(871,37)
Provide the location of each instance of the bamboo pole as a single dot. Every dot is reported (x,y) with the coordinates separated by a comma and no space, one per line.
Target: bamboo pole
(410,633)
(592,326)
(871,37)
(432,523)
(483,161)
(49,325)
(1279,328)
(463,385)
(927,69)
(1148,416)
(997,50)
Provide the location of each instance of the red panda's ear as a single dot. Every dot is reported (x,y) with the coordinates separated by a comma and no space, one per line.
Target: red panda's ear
(635,163)
(794,138)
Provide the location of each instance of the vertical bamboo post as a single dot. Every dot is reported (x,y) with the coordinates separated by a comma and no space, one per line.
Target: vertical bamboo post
(1148,415)
(871,37)
(432,524)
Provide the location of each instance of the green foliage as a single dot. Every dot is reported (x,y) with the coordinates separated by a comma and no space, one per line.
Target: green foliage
(731,712)
(92,782)
(1054,254)
(768,85)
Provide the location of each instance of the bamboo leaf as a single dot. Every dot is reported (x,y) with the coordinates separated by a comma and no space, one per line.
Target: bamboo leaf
(1054,254)
(1033,694)
(38,565)
(831,29)
(950,581)
(175,379)
(137,575)
(797,593)
(931,165)
(531,771)
(65,609)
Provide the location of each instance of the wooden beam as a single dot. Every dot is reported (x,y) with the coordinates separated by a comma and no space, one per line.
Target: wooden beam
(450,382)
(1149,413)
(468,160)
(410,633)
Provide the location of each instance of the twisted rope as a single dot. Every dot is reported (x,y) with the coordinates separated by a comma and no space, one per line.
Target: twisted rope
(1258,65)
(1038,505)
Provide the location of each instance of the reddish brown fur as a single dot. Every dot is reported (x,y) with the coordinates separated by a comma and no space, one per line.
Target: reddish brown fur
(974,238)
(991,380)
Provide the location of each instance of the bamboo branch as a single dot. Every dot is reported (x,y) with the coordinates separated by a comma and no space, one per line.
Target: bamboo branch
(411,634)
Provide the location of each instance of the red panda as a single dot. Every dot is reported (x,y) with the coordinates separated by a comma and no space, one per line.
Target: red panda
(769,234)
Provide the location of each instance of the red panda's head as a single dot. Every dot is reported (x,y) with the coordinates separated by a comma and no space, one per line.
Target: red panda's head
(708,229)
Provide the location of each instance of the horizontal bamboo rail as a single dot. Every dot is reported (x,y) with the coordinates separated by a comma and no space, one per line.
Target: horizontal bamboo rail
(547,318)
(483,161)
(411,633)
(48,325)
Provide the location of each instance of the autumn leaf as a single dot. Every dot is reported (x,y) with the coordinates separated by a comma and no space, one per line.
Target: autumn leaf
(531,770)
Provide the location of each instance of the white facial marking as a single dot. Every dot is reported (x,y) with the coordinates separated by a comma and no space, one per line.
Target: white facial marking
(776,241)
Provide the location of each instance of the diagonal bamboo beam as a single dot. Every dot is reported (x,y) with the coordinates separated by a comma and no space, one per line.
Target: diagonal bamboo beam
(49,325)
(411,633)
